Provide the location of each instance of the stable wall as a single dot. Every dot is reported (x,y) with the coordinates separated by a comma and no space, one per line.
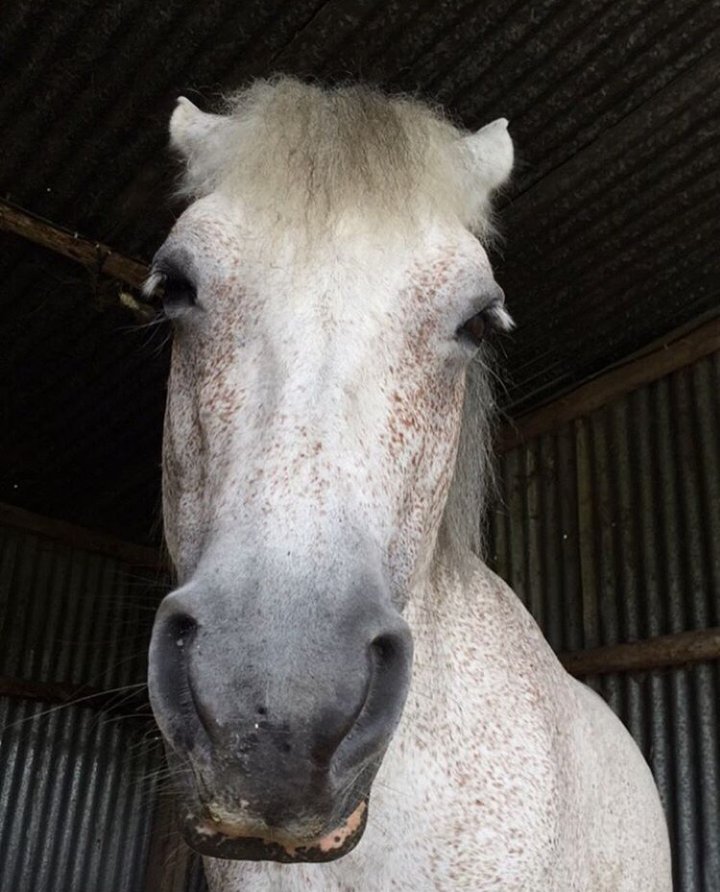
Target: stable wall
(608,528)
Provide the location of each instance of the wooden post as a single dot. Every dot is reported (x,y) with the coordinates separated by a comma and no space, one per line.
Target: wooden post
(171,862)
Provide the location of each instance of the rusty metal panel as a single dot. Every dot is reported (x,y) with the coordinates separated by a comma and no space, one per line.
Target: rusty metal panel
(609,530)
(77,787)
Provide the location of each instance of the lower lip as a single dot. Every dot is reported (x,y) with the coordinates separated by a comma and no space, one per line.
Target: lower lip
(233,841)
(331,842)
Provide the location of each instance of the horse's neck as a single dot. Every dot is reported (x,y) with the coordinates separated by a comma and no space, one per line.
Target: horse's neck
(465,619)
(479,655)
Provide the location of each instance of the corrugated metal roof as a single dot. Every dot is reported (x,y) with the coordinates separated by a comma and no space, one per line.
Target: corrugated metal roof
(611,221)
(609,531)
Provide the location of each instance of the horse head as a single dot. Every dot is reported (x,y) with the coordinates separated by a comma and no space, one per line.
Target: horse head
(328,293)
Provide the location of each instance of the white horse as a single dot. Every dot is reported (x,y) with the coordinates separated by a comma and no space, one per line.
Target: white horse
(325,460)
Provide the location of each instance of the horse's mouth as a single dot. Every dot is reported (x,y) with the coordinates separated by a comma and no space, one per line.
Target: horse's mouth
(224,839)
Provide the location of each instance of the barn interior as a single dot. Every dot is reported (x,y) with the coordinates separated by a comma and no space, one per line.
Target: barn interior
(608,519)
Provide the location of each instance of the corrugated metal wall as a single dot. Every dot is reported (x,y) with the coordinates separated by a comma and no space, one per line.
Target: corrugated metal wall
(609,530)
(78,787)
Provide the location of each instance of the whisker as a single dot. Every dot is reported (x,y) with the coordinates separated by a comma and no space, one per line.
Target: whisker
(74,702)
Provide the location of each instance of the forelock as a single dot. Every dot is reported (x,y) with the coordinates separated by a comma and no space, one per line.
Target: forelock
(298,153)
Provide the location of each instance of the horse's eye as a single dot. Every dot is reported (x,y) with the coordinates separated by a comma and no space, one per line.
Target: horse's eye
(177,292)
(477,328)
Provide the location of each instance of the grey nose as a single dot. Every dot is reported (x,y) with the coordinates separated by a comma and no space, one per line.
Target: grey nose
(276,710)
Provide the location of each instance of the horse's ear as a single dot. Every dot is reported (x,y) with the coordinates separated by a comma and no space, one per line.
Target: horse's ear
(491,152)
(190,128)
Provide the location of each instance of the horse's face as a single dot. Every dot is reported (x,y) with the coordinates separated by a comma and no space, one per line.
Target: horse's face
(313,413)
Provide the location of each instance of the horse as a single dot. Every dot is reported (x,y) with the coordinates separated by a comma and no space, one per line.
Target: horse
(348,697)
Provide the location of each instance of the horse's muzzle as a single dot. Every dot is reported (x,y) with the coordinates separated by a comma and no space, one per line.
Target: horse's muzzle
(277,725)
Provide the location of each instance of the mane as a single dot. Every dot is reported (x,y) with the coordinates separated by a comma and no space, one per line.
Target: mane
(473,484)
(300,154)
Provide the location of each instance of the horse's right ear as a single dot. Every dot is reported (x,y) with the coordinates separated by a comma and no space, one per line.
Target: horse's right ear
(190,128)
(491,151)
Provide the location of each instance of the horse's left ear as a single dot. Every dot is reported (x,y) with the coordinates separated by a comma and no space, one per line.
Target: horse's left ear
(191,128)
(202,140)
(491,152)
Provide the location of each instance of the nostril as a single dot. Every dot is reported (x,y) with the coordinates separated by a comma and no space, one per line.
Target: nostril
(390,658)
(383,650)
(181,628)
(390,654)
(171,693)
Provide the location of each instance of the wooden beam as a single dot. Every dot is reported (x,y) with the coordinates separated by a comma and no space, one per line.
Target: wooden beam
(132,702)
(81,537)
(672,353)
(680,649)
(93,255)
